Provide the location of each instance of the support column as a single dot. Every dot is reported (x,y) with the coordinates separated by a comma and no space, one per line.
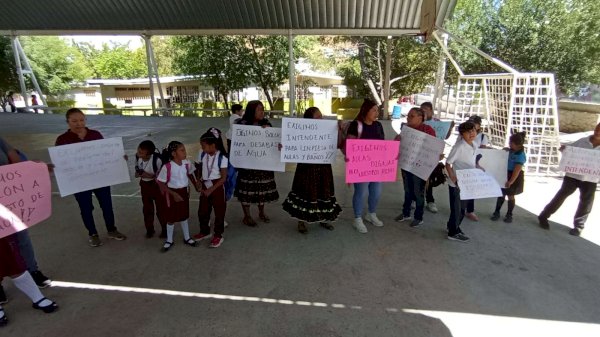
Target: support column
(386,80)
(153,72)
(292,73)
(439,80)
(16,48)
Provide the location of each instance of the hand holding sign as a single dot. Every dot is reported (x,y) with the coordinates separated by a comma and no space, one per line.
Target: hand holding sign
(257,148)
(307,140)
(420,152)
(371,160)
(477,184)
(24,196)
(577,160)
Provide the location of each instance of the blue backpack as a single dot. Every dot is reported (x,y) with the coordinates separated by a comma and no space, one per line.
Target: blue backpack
(231,176)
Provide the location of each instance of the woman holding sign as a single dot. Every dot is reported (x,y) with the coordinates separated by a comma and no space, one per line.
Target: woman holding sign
(255,186)
(366,126)
(414,187)
(78,133)
(312,198)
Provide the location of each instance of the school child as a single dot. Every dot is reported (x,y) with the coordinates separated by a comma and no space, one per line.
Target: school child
(481,141)
(312,198)
(212,176)
(461,157)
(174,180)
(515,177)
(147,166)
(237,110)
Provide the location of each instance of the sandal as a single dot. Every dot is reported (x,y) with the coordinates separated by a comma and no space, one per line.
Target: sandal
(302,227)
(327,225)
(264,218)
(190,242)
(168,246)
(47,309)
(4,319)
(248,221)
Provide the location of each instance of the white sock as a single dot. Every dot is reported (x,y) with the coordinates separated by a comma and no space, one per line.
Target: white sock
(186,229)
(170,230)
(26,284)
(1,313)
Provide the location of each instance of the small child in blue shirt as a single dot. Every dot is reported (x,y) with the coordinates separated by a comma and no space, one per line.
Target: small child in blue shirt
(515,178)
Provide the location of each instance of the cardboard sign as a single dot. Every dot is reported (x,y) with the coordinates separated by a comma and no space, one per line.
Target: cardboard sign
(477,184)
(257,148)
(25,196)
(306,140)
(419,152)
(495,163)
(441,128)
(577,160)
(85,166)
(371,160)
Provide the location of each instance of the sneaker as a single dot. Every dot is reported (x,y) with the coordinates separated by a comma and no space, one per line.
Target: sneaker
(359,225)
(216,242)
(403,217)
(40,279)
(508,218)
(94,241)
(372,218)
(460,237)
(495,216)
(416,223)
(472,216)
(576,231)
(3,299)
(200,236)
(432,207)
(116,235)
(543,222)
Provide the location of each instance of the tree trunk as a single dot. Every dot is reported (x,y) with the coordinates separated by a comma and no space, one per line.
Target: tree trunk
(365,75)
(269,98)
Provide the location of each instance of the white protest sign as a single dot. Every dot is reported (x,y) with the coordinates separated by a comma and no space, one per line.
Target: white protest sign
(88,165)
(495,163)
(441,128)
(419,152)
(477,184)
(257,148)
(306,140)
(577,160)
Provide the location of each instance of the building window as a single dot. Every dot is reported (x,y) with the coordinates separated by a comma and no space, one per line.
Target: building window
(90,93)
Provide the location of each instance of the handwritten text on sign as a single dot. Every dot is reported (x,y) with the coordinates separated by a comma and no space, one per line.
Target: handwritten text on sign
(441,128)
(85,166)
(24,196)
(477,184)
(577,160)
(371,160)
(307,140)
(257,148)
(419,152)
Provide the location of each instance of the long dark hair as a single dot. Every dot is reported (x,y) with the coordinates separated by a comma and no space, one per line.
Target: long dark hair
(249,116)
(364,109)
(310,112)
(518,139)
(213,137)
(167,153)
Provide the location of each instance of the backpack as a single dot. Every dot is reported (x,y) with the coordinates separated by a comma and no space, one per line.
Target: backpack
(155,157)
(437,177)
(344,136)
(231,176)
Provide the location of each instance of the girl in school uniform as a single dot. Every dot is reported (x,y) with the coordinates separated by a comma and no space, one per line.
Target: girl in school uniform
(147,165)
(255,186)
(174,180)
(213,173)
(78,133)
(515,179)
(312,198)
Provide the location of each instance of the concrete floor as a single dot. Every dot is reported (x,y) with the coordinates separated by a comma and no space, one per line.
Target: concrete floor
(510,280)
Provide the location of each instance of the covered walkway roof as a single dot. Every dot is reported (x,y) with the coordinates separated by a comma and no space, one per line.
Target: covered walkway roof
(226,17)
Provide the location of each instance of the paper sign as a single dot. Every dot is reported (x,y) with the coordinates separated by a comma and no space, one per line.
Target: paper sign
(441,128)
(85,166)
(577,160)
(419,152)
(371,160)
(477,184)
(257,148)
(24,196)
(306,140)
(495,163)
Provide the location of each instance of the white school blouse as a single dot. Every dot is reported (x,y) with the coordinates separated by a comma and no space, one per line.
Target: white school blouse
(462,157)
(179,176)
(585,144)
(212,162)
(148,167)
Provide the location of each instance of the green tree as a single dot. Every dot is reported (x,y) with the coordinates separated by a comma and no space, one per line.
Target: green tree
(8,72)
(120,62)
(163,54)
(554,36)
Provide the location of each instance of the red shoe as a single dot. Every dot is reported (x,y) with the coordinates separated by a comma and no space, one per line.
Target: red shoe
(216,242)
(200,236)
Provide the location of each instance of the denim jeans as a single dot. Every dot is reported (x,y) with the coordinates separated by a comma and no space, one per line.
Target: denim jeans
(414,190)
(360,189)
(86,206)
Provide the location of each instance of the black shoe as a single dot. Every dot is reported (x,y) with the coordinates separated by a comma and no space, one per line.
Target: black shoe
(495,216)
(508,218)
(3,299)
(543,222)
(40,279)
(163,234)
(576,231)
(149,234)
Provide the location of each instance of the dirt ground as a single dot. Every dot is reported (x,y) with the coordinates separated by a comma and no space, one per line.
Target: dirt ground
(509,280)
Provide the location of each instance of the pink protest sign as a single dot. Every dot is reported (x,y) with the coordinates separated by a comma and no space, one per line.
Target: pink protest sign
(24,196)
(371,160)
